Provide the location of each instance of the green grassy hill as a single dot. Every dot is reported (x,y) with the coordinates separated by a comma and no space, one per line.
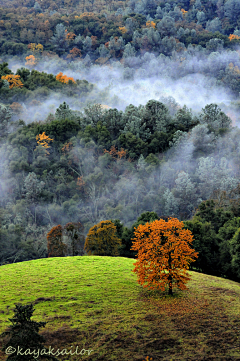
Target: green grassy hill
(96,303)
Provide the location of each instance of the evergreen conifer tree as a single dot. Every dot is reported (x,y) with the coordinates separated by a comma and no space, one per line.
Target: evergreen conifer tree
(24,341)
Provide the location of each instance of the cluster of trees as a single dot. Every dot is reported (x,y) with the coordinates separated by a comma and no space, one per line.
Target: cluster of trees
(66,241)
(163,248)
(125,32)
(216,238)
(77,168)
(138,131)
(105,164)
(59,6)
(213,232)
(162,27)
(32,85)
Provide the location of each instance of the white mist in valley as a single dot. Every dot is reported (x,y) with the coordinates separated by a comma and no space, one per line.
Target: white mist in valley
(138,80)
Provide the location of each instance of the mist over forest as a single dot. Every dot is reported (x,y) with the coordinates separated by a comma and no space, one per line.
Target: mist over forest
(113,113)
(191,83)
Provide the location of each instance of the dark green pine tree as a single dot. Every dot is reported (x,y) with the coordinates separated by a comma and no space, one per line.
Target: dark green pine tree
(23,336)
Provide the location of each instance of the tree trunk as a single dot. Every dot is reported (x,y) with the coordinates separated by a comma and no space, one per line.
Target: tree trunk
(170,292)
(35,214)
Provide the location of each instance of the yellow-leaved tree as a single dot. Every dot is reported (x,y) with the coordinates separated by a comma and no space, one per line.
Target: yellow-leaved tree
(38,48)
(64,78)
(123,29)
(13,80)
(44,140)
(102,240)
(150,24)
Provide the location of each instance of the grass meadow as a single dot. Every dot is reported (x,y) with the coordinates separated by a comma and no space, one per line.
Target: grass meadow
(95,303)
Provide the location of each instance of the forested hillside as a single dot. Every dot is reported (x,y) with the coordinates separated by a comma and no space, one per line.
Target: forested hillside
(123,111)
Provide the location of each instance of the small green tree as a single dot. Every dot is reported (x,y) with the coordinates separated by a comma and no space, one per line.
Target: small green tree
(234,245)
(74,233)
(24,340)
(225,238)
(102,240)
(205,243)
(215,117)
(63,112)
(5,117)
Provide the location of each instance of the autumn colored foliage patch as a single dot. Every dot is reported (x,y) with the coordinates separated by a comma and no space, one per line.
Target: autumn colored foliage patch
(102,240)
(36,47)
(150,24)
(56,247)
(67,240)
(233,37)
(116,154)
(184,12)
(64,78)
(44,140)
(31,61)
(123,29)
(16,108)
(164,254)
(13,80)
(67,147)
(74,53)
(70,36)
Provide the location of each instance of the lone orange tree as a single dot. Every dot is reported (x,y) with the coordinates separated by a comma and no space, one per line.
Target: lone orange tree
(102,240)
(164,254)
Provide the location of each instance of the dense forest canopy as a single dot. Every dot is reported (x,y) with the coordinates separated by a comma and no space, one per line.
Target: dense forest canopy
(121,111)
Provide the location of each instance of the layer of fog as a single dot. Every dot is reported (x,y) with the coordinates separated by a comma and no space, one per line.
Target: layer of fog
(138,80)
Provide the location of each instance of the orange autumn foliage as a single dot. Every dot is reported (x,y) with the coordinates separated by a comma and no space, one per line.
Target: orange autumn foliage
(44,140)
(74,53)
(87,15)
(94,40)
(233,37)
(150,24)
(55,245)
(13,80)
(64,78)
(184,12)
(67,147)
(31,60)
(164,254)
(116,154)
(70,36)
(123,29)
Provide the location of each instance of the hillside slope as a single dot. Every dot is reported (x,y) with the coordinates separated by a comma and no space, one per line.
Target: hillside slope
(95,302)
